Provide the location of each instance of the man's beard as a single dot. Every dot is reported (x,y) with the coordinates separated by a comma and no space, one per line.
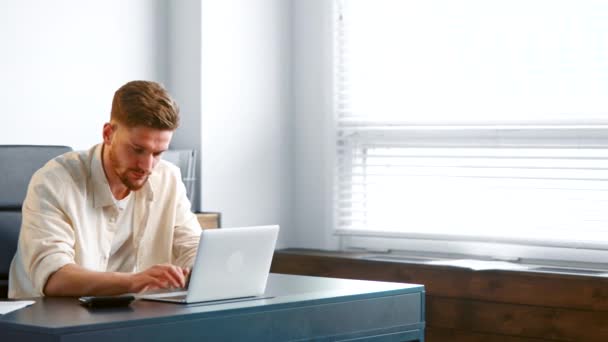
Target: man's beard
(123,175)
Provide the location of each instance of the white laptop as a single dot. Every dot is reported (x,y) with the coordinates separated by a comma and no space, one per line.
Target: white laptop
(230,264)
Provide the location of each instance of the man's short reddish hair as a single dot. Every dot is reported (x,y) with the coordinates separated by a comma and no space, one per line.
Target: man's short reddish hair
(145,103)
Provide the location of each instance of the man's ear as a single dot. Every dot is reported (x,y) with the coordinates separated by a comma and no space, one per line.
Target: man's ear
(108,132)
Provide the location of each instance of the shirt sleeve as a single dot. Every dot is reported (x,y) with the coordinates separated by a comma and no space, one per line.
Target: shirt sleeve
(187,230)
(46,240)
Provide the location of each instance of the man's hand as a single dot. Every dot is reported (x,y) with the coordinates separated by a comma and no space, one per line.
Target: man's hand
(159,277)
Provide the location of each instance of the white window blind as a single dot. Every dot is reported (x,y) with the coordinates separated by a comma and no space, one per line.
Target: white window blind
(473,120)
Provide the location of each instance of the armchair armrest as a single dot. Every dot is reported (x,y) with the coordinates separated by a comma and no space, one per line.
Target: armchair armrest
(209,220)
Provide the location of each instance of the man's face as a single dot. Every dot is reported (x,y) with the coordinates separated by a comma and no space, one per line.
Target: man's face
(134,152)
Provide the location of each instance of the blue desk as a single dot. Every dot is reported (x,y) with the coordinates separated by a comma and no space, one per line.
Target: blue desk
(301,308)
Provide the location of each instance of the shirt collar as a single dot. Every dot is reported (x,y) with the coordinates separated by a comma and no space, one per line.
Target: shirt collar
(102,196)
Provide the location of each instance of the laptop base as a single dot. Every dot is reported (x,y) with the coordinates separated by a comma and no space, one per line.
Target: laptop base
(181,299)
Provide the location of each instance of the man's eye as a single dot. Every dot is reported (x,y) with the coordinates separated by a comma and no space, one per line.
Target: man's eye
(138,150)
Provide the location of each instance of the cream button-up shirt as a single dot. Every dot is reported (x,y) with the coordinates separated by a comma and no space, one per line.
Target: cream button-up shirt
(67,214)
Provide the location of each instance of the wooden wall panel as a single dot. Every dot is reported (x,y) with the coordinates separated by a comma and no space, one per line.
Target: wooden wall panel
(517,320)
(479,305)
(558,290)
(453,335)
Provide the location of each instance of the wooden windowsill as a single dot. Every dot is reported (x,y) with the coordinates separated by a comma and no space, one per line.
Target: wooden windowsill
(423,261)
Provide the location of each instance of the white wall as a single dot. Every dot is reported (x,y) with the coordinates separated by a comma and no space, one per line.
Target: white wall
(226,62)
(313,135)
(184,77)
(62,60)
(246,118)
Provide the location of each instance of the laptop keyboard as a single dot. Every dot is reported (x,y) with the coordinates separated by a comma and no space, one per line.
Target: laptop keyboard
(173,290)
(180,297)
(165,293)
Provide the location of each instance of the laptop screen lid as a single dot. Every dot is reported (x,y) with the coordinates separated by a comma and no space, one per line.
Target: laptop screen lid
(232,263)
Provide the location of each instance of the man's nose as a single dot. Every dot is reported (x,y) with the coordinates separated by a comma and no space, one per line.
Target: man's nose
(146,162)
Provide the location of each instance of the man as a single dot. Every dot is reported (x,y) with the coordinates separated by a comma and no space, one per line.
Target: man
(113,219)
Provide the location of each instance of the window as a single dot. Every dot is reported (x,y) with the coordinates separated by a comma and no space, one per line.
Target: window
(477,122)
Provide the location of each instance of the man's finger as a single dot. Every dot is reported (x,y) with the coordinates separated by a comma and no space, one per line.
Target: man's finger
(175,276)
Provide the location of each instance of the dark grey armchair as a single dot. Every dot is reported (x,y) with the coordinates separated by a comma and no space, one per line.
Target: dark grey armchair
(17,165)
